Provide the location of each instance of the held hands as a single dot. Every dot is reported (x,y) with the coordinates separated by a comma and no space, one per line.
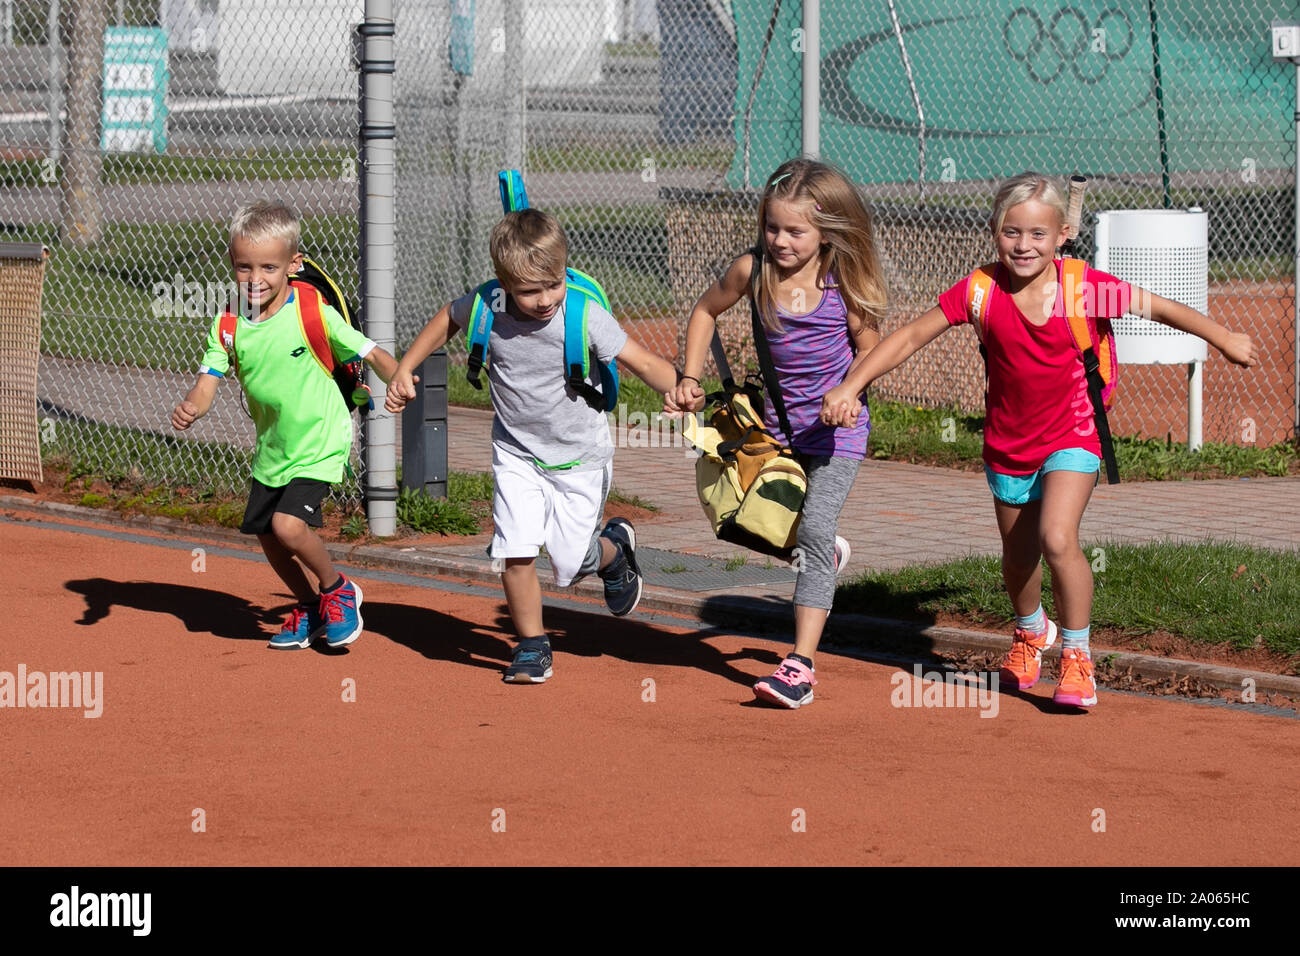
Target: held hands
(841,407)
(401,389)
(688,396)
(1238,349)
(184,415)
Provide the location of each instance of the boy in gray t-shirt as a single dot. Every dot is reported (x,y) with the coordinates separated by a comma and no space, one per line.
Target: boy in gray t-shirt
(552,459)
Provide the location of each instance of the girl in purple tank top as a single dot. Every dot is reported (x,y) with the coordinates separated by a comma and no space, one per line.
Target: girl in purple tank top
(817,283)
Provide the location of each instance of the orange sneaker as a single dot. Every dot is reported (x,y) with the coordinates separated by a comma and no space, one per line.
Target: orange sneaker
(1021,665)
(1077,686)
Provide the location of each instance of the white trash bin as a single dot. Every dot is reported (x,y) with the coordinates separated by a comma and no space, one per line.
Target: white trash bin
(1165,251)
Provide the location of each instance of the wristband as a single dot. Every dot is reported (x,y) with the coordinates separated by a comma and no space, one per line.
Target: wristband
(691,377)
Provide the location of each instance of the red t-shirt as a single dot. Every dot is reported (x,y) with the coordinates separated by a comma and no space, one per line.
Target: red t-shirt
(1037,396)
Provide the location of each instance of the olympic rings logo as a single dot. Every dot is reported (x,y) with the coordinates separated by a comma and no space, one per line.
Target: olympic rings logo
(1067,39)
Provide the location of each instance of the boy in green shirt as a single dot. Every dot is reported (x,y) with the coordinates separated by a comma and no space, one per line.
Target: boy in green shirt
(304,429)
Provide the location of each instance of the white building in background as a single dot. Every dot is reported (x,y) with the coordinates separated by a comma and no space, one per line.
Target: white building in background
(303,46)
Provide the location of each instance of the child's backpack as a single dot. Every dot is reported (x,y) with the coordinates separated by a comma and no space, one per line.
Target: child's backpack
(1093,339)
(580,291)
(312,286)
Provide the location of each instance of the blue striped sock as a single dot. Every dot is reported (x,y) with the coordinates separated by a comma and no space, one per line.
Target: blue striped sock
(1076,639)
(1036,622)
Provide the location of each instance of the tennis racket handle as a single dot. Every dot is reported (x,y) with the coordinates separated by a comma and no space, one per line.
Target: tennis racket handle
(1074,205)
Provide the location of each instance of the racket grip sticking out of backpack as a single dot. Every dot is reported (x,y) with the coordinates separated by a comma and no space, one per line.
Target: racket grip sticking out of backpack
(1074,211)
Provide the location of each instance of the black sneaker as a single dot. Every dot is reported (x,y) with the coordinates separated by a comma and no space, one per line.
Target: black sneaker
(622,577)
(531,663)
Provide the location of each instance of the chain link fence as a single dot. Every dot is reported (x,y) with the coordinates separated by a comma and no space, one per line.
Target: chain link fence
(205,106)
(646,126)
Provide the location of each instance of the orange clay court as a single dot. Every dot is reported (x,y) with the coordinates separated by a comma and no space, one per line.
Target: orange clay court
(438,762)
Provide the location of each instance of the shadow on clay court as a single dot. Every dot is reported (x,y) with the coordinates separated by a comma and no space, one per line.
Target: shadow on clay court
(442,637)
(438,636)
(201,610)
(597,634)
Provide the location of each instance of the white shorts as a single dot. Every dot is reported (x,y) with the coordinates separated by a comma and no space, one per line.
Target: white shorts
(532,507)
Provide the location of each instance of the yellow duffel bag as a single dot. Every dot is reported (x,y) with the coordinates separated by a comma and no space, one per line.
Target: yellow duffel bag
(750,486)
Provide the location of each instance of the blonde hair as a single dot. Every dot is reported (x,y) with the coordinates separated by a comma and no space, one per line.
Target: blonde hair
(263,220)
(1022,188)
(848,251)
(528,246)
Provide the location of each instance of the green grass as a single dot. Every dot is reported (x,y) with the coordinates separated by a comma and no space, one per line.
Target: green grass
(426,515)
(254,164)
(736,563)
(939,436)
(901,432)
(1211,593)
(634,500)
(116,454)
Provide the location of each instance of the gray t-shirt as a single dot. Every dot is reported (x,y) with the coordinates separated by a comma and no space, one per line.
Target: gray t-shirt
(538,415)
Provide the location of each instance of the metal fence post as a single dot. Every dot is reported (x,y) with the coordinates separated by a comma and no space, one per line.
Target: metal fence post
(378,260)
(812,94)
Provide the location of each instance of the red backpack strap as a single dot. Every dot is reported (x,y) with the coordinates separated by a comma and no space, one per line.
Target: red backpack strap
(226,326)
(979,289)
(313,325)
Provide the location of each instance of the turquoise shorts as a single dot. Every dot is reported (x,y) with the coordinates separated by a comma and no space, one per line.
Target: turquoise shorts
(1022,489)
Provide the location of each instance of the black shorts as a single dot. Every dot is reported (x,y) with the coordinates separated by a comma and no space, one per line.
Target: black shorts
(301,497)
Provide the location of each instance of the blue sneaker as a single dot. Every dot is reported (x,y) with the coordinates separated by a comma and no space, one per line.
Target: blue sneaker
(340,610)
(303,623)
(531,663)
(622,577)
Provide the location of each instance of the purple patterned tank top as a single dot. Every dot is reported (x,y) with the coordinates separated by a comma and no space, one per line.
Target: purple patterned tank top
(812,354)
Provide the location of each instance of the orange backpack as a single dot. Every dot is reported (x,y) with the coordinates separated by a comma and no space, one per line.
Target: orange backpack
(312,287)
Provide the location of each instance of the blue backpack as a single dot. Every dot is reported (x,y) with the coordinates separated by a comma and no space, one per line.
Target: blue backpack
(581,290)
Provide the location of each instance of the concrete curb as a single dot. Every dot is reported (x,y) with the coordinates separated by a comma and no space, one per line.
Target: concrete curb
(753,612)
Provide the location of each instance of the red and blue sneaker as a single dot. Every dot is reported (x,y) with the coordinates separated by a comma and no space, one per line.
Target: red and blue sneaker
(302,625)
(341,611)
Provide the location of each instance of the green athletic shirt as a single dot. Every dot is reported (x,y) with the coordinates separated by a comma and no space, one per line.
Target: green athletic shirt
(304,429)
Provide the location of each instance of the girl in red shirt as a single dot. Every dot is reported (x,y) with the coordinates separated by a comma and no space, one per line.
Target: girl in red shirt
(1041,450)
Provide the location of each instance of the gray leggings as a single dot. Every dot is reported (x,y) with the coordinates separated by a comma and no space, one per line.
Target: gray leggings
(829,482)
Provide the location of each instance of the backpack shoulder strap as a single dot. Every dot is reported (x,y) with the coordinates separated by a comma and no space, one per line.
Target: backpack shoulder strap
(226,327)
(979,289)
(1082,329)
(576,277)
(313,325)
(577,351)
(1095,351)
(480,329)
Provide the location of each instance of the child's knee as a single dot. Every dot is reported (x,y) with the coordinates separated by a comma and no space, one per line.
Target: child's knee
(289,530)
(1057,543)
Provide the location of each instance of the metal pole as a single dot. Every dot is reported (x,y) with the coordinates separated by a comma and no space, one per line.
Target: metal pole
(1160,106)
(378,248)
(1195,404)
(515,96)
(812,102)
(54,52)
(916,101)
(1295,279)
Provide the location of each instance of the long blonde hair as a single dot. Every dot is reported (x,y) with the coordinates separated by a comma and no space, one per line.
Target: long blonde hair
(848,251)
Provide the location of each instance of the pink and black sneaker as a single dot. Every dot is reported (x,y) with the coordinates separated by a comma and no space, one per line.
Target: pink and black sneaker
(791,686)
